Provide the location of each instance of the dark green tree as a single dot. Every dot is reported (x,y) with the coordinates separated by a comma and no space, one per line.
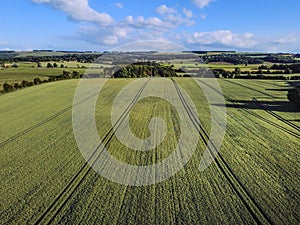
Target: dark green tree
(75,74)
(37,81)
(7,87)
(24,83)
(237,71)
(16,85)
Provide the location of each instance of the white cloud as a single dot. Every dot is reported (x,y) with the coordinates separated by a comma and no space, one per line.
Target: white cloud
(161,27)
(7,49)
(203,16)
(145,23)
(177,20)
(110,40)
(3,42)
(163,9)
(129,19)
(188,13)
(171,18)
(288,39)
(167,23)
(79,10)
(223,38)
(150,45)
(290,42)
(201,3)
(119,5)
(121,32)
(104,38)
(100,36)
(130,29)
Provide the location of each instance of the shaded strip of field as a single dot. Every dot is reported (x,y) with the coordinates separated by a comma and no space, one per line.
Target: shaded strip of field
(250,88)
(247,109)
(289,123)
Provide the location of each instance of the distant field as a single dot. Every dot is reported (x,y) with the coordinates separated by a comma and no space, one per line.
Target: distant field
(226,66)
(29,71)
(255,179)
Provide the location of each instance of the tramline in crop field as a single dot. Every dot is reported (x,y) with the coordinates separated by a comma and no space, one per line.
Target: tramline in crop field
(254,178)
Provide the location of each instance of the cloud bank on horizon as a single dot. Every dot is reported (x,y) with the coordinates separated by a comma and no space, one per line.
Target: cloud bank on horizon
(183,23)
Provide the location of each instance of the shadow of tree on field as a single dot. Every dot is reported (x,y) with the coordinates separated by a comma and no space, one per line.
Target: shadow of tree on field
(278,89)
(294,120)
(279,106)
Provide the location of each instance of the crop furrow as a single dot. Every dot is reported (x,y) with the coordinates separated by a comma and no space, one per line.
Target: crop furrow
(243,194)
(284,129)
(250,88)
(269,83)
(67,192)
(289,123)
(45,121)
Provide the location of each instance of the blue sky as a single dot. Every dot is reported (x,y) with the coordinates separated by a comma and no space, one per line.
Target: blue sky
(241,25)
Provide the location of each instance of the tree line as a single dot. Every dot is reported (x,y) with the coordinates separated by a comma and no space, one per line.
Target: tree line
(239,59)
(145,69)
(82,58)
(238,74)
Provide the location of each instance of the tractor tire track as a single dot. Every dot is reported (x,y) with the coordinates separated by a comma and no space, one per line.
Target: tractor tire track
(250,88)
(265,108)
(282,128)
(243,194)
(43,122)
(49,215)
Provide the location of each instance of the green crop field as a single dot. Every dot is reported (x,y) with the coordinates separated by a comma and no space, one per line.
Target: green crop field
(28,71)
(17,75)
(253,180)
